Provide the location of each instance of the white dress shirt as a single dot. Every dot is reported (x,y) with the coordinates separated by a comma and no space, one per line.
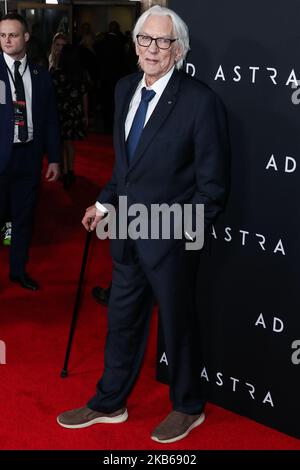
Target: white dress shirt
(158,87)
(28,91)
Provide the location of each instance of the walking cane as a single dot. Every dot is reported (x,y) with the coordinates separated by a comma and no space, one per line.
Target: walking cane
(64,372)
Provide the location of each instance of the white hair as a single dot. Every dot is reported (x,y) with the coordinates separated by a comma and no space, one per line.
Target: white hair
(180,29)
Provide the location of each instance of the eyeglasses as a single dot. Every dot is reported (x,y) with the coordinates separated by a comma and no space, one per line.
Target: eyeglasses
(161,43)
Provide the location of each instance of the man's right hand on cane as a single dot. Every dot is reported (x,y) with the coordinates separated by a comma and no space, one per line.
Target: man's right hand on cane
(91,218)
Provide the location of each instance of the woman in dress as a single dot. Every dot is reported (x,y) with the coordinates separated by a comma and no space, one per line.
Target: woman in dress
(71,90)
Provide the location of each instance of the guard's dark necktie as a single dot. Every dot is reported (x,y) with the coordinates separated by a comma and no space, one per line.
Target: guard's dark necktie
(138,123)
(20,106)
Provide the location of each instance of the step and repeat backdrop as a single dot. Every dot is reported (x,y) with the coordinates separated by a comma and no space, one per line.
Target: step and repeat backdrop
(249,278)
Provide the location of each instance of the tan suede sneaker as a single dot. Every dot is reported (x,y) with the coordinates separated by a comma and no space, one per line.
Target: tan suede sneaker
(84,417)
(176,426)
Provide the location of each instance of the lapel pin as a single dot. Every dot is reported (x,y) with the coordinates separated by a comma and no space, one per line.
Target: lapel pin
(170,102)
(35,71)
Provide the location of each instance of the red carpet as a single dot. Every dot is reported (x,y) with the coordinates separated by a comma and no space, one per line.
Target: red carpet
(35,326)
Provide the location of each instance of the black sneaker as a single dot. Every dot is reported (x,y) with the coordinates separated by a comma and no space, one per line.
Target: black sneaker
(6,233)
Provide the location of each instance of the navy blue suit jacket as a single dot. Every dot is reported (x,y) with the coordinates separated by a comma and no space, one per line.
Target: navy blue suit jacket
(182,156)
(46,137)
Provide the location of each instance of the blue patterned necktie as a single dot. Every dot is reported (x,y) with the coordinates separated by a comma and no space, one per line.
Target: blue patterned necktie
(138,123)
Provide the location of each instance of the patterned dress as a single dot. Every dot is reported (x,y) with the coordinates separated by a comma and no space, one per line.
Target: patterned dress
(70,106)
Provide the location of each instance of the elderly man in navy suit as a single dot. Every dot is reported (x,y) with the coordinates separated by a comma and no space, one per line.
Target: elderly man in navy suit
(28,128)
(170,142)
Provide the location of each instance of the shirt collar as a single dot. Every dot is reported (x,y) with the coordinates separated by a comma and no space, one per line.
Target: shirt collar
(10,62)
(160,84)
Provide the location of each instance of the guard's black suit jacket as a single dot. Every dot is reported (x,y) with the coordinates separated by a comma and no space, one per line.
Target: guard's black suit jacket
(44,114)
(181,156)
(21,165)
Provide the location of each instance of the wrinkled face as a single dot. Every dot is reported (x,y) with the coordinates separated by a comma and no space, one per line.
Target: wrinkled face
(58,45)
(13,39)
(153,61)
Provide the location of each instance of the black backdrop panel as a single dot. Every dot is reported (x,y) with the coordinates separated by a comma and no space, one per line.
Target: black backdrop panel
(249,277)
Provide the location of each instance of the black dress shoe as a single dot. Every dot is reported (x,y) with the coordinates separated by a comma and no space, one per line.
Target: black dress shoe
(71,176)
(68,179)
(101,295)
(25,281)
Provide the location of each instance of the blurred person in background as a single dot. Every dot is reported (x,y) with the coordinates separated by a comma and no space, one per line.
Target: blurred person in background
(35,48)
(58,42)
(69,81)
(111,64)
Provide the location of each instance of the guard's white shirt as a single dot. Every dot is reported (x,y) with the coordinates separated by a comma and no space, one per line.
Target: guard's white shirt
(28,91)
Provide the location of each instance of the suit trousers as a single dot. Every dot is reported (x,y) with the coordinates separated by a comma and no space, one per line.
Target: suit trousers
(19,184)
(134,288)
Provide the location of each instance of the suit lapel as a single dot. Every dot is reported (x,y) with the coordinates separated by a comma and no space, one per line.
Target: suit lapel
(4,77)
(35,83)
(128,94)
(162,110)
